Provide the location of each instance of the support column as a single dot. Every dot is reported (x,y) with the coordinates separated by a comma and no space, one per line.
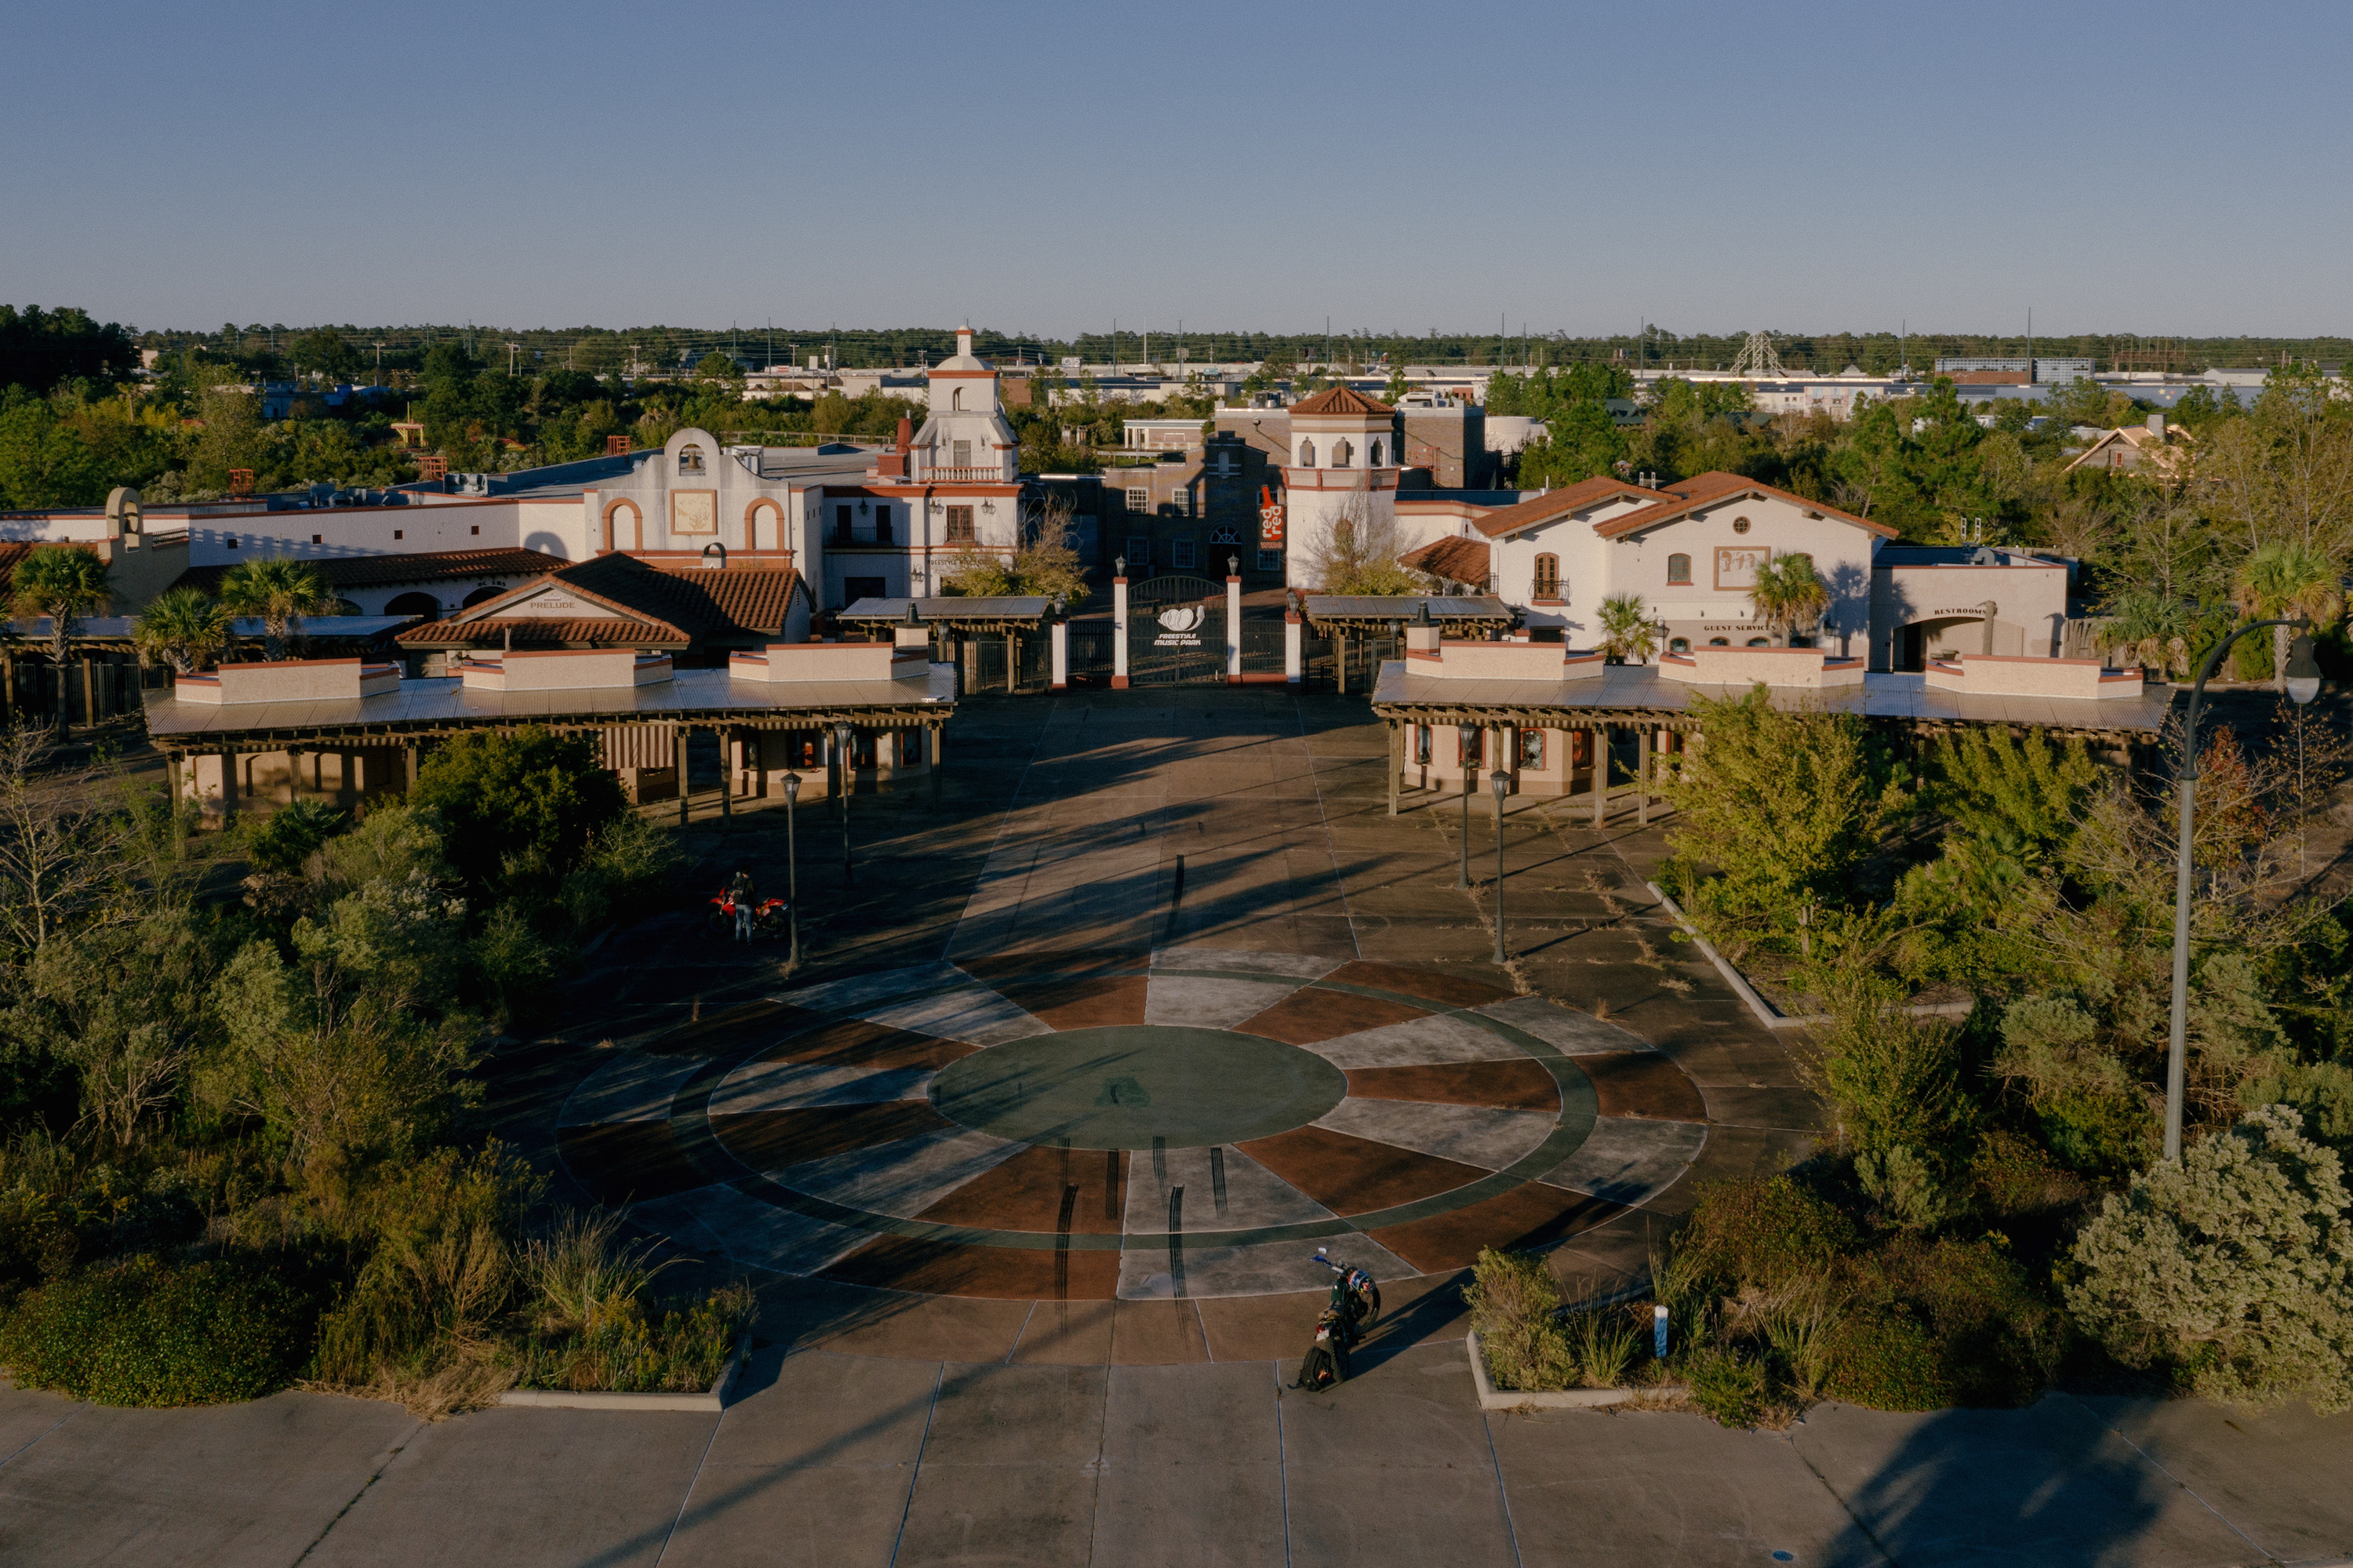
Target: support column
(759,744)
(1642,777)
(727,753)
(1340,659)
(408,764)
(1600,775)
(228,775)
(1396,761)
(1233,631)
(1294,664)
(678,733)
(1012,662)
(1061,655)
(1119,634)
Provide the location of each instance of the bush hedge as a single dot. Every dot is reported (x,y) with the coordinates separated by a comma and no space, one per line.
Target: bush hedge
(144,1332)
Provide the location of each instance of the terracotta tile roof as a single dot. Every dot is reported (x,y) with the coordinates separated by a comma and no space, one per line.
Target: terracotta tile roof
(1455,560)
(426,567)
(543,631)
(1343,400)
(696,605)
(1555,504)
(1706,489)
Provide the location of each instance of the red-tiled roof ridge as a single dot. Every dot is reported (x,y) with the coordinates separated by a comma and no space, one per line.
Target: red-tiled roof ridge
(1341,400)
(542,630)
(1557,503)
(1707,489)
(426,565)
(1454,558)
(688,603)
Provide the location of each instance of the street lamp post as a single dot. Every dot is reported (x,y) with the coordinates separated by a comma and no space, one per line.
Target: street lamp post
(841,739)
(1500,782)
(1468,734)
(792,872)
(2303,685)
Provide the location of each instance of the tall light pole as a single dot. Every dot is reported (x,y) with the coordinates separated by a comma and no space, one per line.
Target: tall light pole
(792,871)
(1500,782)
(2303,684)
(841,739)
(1466,737)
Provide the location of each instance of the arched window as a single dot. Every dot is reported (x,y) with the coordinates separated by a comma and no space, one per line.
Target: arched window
(1719,642)
(1376,452)
(1548,583)
(689,459)
(1760,642)
(1307,454)
(956,398)
(1679,571)
(1679,645)
(1341,453)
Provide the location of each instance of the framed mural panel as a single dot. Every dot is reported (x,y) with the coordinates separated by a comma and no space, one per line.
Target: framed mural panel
(694,512)
(1735,566)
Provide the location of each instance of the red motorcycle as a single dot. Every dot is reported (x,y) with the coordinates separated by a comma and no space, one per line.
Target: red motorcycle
(769,917)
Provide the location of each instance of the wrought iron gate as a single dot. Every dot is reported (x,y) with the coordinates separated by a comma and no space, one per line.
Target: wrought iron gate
(1175,631)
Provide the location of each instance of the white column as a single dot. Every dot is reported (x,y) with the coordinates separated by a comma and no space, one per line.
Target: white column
(1061,654)
(1119,634)
(1294,669)
(1233,631)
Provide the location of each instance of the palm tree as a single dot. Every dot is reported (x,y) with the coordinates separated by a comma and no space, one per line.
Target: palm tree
(2150,630)
(281,591)
(1787,595)
(185,627)
(1628,635)
(2287,578)
(63,584)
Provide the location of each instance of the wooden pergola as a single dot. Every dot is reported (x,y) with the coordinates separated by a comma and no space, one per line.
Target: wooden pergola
(639,728)
(1342,617)
(1010,616)
(1654,707)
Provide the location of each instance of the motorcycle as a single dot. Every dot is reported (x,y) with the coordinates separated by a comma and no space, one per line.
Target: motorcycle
(770,917)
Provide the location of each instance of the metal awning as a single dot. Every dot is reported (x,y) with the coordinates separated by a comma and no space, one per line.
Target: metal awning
(979,612)
(442,705)
(1377,612)
(1638,695)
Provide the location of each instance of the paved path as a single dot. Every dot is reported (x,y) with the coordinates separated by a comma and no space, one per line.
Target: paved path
(829,1459)
(882,1427)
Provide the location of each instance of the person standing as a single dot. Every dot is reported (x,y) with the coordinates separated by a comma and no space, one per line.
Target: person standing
(744,894)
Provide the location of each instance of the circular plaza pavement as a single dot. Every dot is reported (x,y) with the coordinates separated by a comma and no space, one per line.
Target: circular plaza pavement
(1193,1122)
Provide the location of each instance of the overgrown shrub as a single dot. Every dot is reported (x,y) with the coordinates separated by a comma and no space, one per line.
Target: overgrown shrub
(1768,1233)
(1881,1359)
(2234,1265)
(1729,1386)
(1515,1306)
(518,809)
(284,844)
(1895,1080)
(143,1332)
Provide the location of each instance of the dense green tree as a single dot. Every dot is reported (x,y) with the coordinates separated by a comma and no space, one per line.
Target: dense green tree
(39,349)
(64,583)
(279,591)
(43,460)
(526,804)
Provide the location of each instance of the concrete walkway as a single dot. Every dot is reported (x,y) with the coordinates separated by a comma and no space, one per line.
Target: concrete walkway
(889,1429)
(829,1459)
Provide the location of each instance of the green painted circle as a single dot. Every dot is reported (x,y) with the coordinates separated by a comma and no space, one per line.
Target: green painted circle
(1126,1086)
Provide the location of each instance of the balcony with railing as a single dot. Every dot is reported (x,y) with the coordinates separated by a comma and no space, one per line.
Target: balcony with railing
(978,473)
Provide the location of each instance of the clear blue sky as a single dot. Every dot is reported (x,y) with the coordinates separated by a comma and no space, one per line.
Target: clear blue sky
(2153,168)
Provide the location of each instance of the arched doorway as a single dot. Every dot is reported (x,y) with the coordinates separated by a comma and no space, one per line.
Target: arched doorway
(423,604)
(479,594)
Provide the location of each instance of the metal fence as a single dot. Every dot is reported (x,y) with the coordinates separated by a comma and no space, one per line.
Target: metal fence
(91,690)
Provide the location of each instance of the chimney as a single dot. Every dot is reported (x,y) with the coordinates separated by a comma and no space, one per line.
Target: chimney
(907,434)
(2156,426)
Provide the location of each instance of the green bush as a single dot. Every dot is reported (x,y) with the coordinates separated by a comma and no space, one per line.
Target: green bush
(1994,1337)
(1729,1387)
(522,807)
(2235,1263)
(1881,1359)
(1514,1307)
(145,1333)
(1766,1233)
(284,844)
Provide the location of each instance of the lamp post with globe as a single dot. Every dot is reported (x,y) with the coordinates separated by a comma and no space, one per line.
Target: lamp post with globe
(2303,684)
